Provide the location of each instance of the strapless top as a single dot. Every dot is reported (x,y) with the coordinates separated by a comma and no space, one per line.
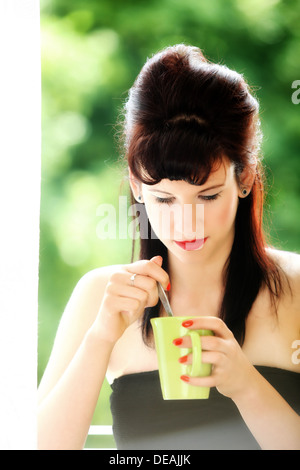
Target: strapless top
(142,419)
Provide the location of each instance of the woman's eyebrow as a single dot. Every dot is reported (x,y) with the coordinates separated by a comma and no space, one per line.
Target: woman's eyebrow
(212,187)
(202,191)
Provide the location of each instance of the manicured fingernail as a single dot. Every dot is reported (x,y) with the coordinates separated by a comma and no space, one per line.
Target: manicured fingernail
(187,323)
(177,341)
(185,378)
(183,359)
(168,287)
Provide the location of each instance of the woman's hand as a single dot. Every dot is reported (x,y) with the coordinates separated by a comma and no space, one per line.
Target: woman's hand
(231,369)
(125,299)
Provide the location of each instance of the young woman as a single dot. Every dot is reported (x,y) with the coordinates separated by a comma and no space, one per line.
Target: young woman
(192,137)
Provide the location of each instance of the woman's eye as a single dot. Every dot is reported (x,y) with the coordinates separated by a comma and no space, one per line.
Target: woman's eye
(170,200)
(213,197)
(163,200)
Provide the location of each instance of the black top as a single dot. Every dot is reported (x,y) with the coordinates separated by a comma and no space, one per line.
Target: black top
(142,419)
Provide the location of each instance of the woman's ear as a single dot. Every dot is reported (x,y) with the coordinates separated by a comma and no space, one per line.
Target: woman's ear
(136,187)
(246,180)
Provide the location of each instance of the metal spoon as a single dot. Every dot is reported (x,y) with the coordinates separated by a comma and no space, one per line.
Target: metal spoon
(164,300)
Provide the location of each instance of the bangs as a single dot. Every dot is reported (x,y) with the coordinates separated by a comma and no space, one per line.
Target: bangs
(182,152)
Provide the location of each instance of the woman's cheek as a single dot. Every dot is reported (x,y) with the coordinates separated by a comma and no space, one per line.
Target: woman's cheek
(220,216)
(227,213)
(160,220)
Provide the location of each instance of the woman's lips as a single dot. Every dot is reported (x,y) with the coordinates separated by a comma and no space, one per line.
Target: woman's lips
(191,245)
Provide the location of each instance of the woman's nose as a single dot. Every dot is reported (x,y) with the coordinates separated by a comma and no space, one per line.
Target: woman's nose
(190,222)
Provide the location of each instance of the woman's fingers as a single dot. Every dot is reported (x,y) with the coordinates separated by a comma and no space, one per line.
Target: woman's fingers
(208,357)
(209,381)
(122,282)
(141,287)
(208,323)
(208,343)
(230,367)
(214,348)
(151,269)
(130,289)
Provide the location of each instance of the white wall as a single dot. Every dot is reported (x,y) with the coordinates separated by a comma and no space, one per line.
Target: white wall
(20,138)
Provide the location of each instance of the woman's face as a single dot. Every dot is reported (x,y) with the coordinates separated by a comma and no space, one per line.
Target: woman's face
(191,220)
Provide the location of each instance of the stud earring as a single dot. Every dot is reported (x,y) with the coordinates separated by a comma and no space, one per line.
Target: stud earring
(139,198)
(244,192)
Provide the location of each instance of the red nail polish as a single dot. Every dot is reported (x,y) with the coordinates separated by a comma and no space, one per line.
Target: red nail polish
(177,341)
(168,287)
(187,323)
(185,378)
(183,359)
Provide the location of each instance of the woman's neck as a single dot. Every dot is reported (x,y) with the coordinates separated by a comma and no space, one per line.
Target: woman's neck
(197,286)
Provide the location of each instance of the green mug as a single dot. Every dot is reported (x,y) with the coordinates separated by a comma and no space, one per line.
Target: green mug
(165,330)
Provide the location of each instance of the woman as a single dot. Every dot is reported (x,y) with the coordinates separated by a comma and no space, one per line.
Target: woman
(192,138)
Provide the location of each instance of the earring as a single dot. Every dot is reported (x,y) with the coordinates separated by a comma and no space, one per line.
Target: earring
(244,192)
(139,198)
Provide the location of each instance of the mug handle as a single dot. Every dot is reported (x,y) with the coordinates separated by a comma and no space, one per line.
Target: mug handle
(194,370)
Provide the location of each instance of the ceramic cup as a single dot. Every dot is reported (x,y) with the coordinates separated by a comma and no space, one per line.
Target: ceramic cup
(165,330)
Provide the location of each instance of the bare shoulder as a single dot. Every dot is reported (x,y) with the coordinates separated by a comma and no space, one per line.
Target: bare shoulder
(98,275)
(87,295)
(289,262)
(93,283)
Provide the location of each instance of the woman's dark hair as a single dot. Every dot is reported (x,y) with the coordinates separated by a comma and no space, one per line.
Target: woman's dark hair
(182,117)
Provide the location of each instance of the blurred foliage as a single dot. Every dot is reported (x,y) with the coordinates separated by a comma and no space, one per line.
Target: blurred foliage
(92,51)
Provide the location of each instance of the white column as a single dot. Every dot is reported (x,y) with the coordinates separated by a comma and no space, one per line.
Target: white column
(20,142)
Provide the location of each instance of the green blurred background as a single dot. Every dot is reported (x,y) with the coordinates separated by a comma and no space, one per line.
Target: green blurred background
(92,51)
